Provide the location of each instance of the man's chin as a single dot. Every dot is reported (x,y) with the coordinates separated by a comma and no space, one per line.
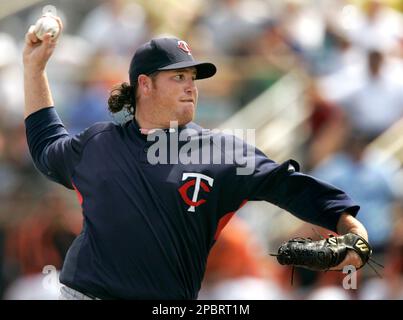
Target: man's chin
(185,120)
(186,116)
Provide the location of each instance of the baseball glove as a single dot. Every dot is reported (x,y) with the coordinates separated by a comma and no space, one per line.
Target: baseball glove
(321,255)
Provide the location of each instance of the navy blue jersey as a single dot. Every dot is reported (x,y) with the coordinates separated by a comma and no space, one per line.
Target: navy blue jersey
(148,228)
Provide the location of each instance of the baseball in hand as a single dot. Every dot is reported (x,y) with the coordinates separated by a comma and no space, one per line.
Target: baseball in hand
(46,24)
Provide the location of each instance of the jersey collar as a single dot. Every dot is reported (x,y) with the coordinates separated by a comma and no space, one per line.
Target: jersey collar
(142,132)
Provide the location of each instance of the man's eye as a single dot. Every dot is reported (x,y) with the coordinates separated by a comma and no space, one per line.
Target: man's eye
(179,77)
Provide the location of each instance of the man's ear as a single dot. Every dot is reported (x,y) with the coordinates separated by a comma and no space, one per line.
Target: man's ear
(144,84)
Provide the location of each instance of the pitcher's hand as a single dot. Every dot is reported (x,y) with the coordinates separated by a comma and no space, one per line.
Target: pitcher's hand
(37,52)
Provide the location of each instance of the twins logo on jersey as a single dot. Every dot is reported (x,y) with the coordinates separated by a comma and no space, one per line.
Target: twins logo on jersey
(197,182)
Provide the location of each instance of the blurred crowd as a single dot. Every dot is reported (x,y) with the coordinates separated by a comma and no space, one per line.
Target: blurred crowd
(351,52)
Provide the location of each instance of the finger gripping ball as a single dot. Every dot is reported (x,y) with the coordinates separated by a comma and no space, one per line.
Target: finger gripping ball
(46,24)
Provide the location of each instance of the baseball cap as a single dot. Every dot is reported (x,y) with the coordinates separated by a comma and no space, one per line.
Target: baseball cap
(166,54)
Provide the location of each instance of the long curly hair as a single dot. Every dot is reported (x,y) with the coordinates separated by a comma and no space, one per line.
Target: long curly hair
(124,96)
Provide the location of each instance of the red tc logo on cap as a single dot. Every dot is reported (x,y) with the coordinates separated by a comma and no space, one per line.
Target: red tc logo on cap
(185,47)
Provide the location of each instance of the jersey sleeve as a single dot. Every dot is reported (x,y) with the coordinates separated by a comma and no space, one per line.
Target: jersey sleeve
(304,196)
(53,151)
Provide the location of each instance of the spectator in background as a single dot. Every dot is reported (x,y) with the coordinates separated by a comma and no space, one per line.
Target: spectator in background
(115,26)
(377,25)
(11,101)
(327,126)
(337,51)
(378,103)
(370,185)
(232,22)
(303,24)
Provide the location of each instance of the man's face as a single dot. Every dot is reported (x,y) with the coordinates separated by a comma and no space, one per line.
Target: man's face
(174,96)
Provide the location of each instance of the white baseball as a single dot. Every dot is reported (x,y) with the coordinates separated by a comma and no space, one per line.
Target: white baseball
(46,24)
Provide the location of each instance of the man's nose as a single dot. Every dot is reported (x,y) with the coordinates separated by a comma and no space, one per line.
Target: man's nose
(190,86)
